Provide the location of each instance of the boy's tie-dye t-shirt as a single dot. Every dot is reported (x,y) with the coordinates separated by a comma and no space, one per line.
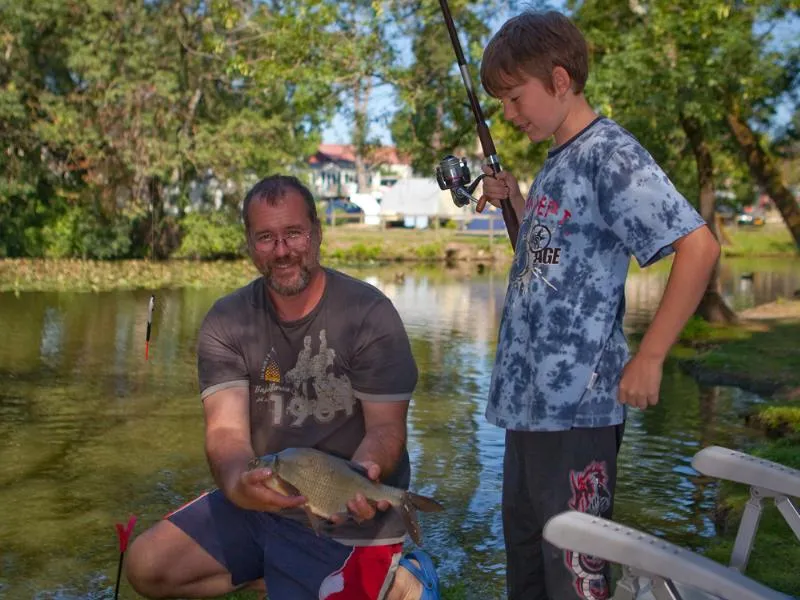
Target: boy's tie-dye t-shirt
(598,200)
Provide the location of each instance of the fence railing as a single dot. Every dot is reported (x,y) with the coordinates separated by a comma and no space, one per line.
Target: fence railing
(494,223)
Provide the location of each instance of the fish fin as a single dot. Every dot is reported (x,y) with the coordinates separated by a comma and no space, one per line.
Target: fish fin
(286,488)
(409,514)
(424,503)
(313,519)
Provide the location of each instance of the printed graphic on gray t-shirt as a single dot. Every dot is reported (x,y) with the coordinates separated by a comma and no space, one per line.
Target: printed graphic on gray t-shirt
(307,378)
(598,200)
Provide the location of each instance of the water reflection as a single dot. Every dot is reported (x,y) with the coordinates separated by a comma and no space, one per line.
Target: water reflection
(90,432)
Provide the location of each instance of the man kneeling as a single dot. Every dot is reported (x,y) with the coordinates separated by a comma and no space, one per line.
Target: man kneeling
(303,356)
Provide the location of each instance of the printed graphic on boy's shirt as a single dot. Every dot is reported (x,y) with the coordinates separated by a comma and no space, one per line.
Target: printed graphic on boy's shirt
(590,495)
(309,389)
(545,207)
(539,245)
(538,237)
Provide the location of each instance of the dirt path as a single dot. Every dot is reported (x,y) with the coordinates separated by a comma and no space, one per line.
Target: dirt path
(782,310)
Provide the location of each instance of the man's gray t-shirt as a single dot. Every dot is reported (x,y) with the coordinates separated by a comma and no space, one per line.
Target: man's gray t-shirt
(307,378)
(599,199)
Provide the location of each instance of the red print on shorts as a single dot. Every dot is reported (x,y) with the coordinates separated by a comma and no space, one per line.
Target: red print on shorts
(362,575)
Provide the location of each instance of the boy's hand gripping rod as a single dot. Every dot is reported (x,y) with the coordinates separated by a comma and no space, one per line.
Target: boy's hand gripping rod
(453,173)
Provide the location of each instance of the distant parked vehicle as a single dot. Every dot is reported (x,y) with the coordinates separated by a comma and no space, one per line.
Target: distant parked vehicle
(343,206)
(750,219)
(345,211)
(726,212)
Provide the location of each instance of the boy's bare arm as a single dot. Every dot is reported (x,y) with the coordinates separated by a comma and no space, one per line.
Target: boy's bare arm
(695,256)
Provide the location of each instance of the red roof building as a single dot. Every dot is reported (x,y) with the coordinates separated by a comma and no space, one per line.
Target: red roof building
(334,170)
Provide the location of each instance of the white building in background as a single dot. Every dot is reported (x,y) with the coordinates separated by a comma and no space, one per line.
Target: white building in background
(416,200)
(392,194)
(333,171)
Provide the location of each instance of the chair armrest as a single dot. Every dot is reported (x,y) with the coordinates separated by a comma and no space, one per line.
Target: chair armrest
(723,463)
(617,543)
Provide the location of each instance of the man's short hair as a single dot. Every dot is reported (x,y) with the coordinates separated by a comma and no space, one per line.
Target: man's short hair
(533,44)
(272,189)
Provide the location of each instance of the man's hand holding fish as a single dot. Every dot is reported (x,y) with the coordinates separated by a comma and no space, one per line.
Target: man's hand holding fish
(253,492)
(359,506)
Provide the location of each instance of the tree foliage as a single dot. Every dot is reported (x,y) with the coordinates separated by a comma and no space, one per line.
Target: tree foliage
(112,113)
(117,107)
(676,72)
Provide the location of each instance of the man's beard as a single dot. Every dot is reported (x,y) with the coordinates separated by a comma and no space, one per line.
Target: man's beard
(298,283)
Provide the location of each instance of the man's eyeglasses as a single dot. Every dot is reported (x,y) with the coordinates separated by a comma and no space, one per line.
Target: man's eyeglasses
(294,240)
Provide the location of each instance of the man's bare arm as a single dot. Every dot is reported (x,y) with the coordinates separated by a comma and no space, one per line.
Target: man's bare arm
(385,435)
(229,450)
(228,447)
(380,450)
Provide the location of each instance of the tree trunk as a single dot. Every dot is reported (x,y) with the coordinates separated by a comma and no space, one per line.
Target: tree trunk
(712,306)
(765,172)
(361,93)
(436,138)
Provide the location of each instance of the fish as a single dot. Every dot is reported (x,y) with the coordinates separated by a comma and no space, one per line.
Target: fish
(328,482)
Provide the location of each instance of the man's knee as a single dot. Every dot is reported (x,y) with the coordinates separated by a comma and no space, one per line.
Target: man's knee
(146,567)
(164,562)
(158,559)
(150,562)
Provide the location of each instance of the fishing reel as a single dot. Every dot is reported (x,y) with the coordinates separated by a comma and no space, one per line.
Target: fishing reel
(453,174)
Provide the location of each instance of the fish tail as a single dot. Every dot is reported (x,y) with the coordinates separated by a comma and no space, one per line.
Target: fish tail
(423,503)
(409,513)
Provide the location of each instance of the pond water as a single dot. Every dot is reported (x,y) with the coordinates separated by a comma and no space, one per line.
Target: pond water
(91,433)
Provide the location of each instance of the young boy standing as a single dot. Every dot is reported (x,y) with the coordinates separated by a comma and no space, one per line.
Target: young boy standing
(563,376)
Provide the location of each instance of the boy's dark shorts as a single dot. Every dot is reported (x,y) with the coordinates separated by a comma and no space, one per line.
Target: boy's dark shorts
(293,560)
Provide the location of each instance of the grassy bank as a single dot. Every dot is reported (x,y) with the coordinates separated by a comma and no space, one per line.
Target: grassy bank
(770,240)
(761,354)
(341,246)
(362,244)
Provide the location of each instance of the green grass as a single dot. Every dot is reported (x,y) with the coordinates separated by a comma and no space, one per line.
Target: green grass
(780,419)
(776,546)
(356,253)
(765,357)
(769,359)
(770,240)
(18,275)
(700,333)
(341,246)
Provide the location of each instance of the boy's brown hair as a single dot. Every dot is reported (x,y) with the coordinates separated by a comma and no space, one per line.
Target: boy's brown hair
(533,44)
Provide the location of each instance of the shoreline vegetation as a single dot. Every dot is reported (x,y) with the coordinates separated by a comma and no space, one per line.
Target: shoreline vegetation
(342,246)
(760,353)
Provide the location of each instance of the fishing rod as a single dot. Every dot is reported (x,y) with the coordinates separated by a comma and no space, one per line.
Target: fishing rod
(452,173)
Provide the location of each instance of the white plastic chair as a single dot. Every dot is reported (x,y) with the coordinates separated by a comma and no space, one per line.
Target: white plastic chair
(656,569)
